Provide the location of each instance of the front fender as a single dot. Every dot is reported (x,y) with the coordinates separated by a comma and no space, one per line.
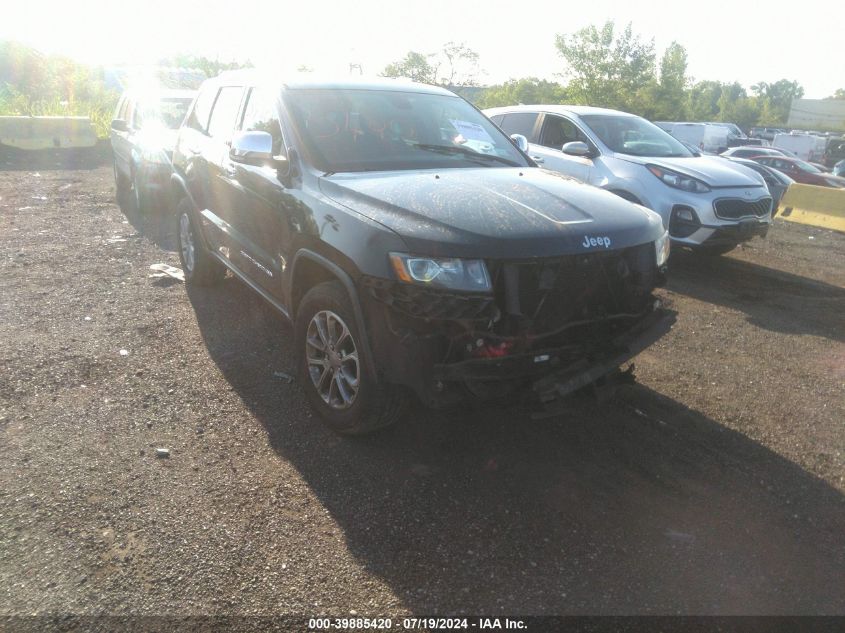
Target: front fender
(351,290)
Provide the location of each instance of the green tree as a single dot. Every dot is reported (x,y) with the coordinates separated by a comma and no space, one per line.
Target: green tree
(527,91)
(735,106)
(671,97)
(839,94)
(460,65)
(35,84)
(454,65)
(607,68)
(744,111)
(666,98)
(209,67)
(415,66)
(703,101)
(779,96)
(26,71)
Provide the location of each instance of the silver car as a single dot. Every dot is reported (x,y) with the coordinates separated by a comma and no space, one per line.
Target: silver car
(707,203)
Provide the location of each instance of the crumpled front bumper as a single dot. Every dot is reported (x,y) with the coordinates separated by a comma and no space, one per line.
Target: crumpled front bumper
(575,366)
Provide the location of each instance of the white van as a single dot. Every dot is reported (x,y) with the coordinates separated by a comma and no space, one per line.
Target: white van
(804,146)
(706,137)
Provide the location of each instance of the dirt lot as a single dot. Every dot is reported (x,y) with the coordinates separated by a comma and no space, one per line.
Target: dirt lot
(714,486)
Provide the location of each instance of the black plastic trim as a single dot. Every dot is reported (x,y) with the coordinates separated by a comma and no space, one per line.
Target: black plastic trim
(346,280)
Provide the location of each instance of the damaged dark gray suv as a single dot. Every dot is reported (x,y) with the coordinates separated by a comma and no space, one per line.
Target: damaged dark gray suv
(414,246)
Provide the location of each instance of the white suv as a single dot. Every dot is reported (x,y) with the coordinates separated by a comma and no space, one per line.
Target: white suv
(706,203)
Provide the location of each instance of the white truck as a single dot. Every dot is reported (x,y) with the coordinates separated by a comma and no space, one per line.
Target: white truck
(704,136)
(805,146)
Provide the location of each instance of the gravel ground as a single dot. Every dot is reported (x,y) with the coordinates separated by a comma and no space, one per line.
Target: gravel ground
(713,486)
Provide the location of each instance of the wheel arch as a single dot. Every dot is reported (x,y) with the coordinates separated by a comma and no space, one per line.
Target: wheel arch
(310,269)
(179,191)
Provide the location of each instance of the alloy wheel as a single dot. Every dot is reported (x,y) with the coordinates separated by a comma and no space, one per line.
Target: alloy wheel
(332,359)
(186,242)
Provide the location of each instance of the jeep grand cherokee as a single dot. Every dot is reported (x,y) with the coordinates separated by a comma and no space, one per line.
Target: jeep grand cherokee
(413,245)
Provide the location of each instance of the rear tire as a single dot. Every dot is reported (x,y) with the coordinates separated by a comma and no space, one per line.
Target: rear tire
(332,365)
(198,264)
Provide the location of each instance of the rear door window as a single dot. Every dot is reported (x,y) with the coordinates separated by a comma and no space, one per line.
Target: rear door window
(519,123)
(198,118)
(225,112)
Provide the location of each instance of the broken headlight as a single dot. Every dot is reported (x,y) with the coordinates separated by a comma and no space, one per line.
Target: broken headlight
(661,248)
(442,272)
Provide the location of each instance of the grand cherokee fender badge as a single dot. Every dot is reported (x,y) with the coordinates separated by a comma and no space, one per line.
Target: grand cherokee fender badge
(595,241)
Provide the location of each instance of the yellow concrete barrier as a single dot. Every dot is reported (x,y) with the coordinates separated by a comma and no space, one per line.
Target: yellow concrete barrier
(45,132)
(813,205)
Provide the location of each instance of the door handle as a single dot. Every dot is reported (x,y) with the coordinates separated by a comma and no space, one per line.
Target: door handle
(538,159)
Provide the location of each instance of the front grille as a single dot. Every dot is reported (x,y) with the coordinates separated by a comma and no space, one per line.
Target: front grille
(736,208)
(542,295)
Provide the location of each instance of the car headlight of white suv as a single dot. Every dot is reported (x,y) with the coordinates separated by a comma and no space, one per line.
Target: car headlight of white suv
(678,180)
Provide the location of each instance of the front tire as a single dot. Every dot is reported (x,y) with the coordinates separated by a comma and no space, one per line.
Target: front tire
(121,189)
(138,190)
(198,264)
(333,365)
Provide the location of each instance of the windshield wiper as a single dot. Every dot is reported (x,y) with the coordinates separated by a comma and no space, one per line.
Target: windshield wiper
(465,151)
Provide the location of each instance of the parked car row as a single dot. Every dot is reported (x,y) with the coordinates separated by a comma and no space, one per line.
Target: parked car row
(143,135)
(823,151)
(418,248)
(766,133)
(709,136)
(390,220)
(785,162)
(801,171)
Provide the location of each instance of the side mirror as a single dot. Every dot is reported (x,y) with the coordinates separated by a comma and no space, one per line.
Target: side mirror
(521,141)
(255,148)
(576,148)
(119,125)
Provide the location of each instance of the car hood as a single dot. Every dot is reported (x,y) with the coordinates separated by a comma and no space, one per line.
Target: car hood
(831,178)
(494,212)
(711,170)
(157,138)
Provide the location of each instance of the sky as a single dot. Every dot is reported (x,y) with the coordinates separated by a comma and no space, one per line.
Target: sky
(513,39)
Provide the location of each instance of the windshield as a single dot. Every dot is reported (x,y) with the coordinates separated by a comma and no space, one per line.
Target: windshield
(635,136)
(378,130)
(168,112)
(807,167)
(731,128)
